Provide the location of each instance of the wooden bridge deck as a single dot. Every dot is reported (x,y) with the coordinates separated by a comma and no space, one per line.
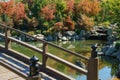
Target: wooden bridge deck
(6,74)
(7,63)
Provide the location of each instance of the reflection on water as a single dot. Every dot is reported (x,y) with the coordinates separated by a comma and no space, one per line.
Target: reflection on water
(108,66)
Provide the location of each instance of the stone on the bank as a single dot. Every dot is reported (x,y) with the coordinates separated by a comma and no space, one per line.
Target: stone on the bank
(118,57)
(104,49)
(116,53)
(49,38)
(110,51)
(82,35)
(64,38)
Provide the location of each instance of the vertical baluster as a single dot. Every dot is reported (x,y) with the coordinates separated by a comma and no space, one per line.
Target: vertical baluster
(44,57)
(7,41)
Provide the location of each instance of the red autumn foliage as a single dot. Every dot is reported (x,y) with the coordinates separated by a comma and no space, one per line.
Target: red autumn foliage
(90,7)
(12,10)
(70,5)
(7,8)
(58,26)
(19,12)
(69,23)
(85,22)
(48,11)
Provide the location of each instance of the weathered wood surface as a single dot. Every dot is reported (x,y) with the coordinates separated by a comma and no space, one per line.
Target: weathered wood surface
(6,74)
(21,69)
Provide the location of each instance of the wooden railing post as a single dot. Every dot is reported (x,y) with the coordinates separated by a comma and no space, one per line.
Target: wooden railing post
(34,69)
(44,57)
(7,41)
(93,65)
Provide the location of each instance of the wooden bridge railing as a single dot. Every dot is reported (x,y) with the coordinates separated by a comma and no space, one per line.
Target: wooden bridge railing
(92,68)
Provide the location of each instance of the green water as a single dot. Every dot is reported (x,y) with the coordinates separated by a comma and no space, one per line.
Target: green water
(108,66)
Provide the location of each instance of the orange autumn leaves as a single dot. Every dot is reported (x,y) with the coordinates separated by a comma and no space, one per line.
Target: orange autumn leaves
(13,10)
(89,7)
(71,15)
(48,11)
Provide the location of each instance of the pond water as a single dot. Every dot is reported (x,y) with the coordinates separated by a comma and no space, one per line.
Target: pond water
(108,66)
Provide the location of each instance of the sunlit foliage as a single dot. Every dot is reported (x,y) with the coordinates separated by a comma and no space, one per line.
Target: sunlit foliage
(12,10)
(48,11)
(89,7)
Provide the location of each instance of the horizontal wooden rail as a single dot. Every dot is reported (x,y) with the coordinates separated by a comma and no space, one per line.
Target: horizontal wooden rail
(81,70)
(26,45)
(70,52)
(49,55)
(49,43)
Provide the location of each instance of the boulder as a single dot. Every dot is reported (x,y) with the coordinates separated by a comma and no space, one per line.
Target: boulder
(39,36)
(80,64)
(104,49)
(64,38)
(82,35)
(49,38)
(117,53)
(110,50)
(118,57)
(70,33)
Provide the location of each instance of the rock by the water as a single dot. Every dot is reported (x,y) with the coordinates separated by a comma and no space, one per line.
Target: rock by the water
(49,38)
(82,35)
(64,38)
(117,53)
(80,64)
(104,49)
(110,51)
(118,57)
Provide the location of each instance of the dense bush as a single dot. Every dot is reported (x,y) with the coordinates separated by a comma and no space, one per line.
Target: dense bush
(43,15)
(117,44)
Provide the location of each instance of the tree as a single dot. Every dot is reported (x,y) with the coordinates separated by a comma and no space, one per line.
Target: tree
(85,11)
(48,12)
(12,11)
(88,7)
(110,11)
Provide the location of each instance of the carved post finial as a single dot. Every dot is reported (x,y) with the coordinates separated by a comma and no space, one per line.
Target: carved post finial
(34,69)
(94,52)
(34,66)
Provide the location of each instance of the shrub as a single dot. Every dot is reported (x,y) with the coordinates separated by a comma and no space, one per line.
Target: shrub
(117,44)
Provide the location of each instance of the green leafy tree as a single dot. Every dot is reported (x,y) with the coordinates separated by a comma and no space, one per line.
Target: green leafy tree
(85,12)
(110,11)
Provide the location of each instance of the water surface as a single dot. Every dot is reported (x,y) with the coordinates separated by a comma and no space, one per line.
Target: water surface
(108,66)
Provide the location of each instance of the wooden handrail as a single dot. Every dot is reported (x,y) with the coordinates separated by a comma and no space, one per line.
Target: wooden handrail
(26,45)
(92,62)
(81,70)
(49,43)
